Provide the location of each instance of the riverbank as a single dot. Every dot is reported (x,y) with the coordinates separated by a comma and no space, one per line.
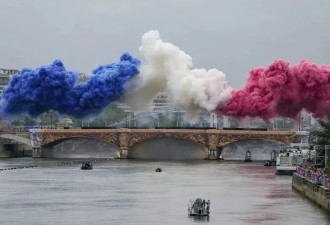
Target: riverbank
(313,190)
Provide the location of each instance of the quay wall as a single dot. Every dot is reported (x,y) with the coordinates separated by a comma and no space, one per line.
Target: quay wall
(315,192)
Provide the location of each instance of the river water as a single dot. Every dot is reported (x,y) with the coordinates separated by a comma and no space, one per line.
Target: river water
(131,192)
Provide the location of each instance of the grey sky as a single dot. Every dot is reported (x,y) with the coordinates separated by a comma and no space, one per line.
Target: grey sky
(233,36)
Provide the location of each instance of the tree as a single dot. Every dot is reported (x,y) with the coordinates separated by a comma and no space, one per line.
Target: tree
(49,119)
(24,121)
(110,114)
(321,136)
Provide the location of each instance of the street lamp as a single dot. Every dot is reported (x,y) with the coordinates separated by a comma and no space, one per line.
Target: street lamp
(301,124)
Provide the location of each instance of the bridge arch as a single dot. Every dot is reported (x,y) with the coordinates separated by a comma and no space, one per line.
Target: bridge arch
(48,138)
(260,148)
(80,147)
(17,138)
(168,148)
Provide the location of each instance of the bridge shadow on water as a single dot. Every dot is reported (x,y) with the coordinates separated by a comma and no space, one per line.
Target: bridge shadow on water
(168,149)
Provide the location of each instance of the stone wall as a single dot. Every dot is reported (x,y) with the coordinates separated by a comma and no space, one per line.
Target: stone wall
(318,194)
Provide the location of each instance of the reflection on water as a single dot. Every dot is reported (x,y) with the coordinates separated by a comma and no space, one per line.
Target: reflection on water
(200,219)
(131,192)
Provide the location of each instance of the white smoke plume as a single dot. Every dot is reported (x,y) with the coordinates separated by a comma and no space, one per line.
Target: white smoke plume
(169,69)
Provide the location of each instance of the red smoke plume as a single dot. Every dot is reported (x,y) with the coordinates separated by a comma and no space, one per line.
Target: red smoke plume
(280,90)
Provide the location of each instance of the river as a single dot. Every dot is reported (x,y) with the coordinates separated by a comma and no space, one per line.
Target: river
(131,192)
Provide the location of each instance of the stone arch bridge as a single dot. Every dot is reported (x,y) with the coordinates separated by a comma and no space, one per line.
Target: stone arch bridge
(214,140)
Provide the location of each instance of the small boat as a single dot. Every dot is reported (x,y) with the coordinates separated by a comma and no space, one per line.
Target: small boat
(86,166)
(199,207)
(272,161)
(158,169)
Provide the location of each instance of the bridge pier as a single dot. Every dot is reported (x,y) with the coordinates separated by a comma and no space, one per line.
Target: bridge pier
(123,153)
(213,154)
(37,152)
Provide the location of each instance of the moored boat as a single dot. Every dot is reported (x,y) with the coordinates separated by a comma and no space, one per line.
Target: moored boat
(287,161)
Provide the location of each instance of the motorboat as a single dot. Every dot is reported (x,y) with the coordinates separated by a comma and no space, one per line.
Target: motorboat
(287,161)
(199,207)
(158,169)
(272,161)
(248,156)
(86,166)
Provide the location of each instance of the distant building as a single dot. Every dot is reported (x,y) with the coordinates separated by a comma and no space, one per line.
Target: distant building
(65,123)
(162,104)
(83,77)
(5,76)
(161,109)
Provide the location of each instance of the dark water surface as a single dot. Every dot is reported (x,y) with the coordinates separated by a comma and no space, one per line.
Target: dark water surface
(130,192)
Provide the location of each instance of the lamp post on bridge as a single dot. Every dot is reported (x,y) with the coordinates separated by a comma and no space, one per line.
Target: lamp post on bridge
(213,120)
(301,128)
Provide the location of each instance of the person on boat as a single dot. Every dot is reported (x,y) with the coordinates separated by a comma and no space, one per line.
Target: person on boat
(208,206)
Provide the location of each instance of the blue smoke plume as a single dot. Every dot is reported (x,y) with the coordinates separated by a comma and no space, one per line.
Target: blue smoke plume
(52,87)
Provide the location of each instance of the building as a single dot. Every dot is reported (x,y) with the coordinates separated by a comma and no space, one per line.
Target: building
(83,78)
(5,76)
(162,104)
(65,123)
(161,112)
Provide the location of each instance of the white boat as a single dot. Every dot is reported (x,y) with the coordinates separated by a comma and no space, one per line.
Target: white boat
(199,207)
(287,161)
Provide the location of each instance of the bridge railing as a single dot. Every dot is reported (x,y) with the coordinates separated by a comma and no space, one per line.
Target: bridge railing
(14,131)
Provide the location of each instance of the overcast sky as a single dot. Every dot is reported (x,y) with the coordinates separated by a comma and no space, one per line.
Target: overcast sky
(233,36)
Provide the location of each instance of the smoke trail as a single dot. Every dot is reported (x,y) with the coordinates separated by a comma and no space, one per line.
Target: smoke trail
(280,90)
(169,69)
(53,87)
